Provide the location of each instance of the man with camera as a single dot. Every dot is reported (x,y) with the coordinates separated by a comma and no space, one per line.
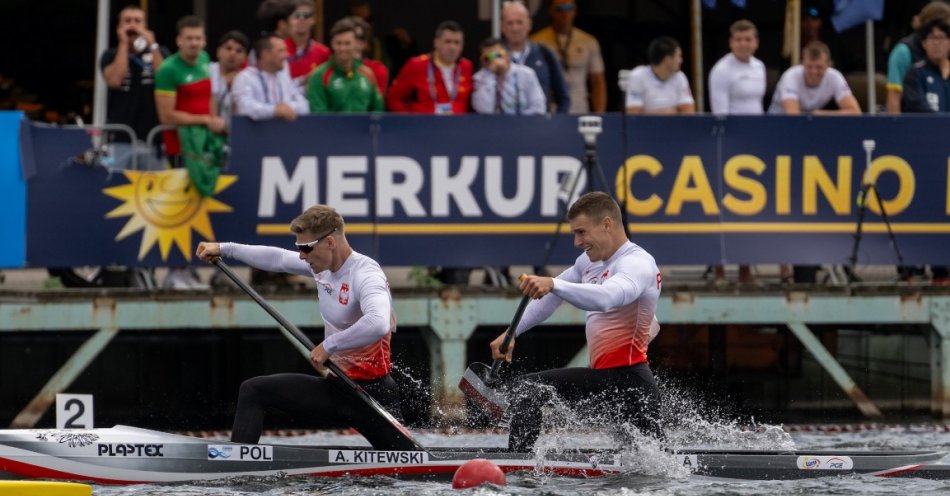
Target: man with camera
(129,70)
(502,87)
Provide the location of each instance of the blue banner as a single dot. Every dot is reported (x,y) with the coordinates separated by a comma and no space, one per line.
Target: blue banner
(12,192)
(489,190)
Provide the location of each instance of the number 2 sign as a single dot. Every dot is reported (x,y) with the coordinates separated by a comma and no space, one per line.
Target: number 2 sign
(74,411)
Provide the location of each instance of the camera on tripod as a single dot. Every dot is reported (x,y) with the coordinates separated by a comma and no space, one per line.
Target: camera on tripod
(865,190)
(590,126)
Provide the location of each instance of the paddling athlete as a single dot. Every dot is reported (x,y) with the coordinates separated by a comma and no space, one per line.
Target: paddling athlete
(359,320)
(618,284)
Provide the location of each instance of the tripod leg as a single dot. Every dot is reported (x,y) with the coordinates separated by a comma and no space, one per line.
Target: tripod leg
(561,211)
(862,210)
(592,164)
(887,222)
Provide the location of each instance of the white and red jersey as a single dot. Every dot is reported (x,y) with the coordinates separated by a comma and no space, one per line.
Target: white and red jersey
(355,304)
(620,296)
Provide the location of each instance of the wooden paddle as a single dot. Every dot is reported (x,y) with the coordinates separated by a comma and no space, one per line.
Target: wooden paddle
(479,382)
(399,438)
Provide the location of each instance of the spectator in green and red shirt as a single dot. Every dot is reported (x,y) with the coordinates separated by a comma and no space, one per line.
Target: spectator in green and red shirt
(183,98)
(183,85)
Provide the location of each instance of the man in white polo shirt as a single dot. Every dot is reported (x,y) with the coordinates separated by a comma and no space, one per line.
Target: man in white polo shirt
(737,86)
(737,81)
(810,86)
(661,87)
(806,89)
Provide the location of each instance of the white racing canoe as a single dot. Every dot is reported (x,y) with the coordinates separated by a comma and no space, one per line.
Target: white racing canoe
(128,455)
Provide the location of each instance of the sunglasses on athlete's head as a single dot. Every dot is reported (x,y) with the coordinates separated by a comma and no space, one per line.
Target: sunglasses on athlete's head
(303,14)
(565,7)
(308,247)
(488,57)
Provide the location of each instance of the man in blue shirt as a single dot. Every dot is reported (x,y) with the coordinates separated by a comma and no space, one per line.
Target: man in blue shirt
(515,27)
(927,90)
(927,83)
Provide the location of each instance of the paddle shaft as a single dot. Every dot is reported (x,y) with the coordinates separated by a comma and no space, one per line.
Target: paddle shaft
(355,388)
(509,335)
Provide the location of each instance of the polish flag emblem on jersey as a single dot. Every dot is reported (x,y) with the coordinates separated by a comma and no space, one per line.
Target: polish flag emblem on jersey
(344,293)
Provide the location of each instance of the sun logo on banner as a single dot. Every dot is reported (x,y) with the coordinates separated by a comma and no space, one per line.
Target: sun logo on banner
(166,207)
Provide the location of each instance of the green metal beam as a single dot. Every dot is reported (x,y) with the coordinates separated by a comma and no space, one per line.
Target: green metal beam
(226,311)
(834,369)
(940,359)
(451,321)
(65,376)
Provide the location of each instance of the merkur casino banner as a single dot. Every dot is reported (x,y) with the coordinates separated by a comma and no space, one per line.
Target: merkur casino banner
(488,190)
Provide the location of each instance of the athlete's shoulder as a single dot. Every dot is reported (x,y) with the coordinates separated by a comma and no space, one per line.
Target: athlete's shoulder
(366,263)
(582,262)
(636,257)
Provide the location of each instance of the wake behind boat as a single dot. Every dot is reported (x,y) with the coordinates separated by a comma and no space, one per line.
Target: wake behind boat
(129,455)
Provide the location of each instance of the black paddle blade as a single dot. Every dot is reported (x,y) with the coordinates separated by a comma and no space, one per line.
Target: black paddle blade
(483,389)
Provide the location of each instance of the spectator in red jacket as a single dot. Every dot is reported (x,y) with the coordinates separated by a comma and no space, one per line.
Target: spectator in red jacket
(436,83)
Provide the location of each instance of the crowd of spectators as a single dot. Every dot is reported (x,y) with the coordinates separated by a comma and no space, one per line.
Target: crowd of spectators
(284,73)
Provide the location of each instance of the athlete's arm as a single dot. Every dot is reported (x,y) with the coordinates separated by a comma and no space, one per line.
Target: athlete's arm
(624,286)
(267,258)
(372,293)
(541,309)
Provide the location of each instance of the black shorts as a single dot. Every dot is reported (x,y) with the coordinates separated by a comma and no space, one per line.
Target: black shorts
(619,394)
(325,404)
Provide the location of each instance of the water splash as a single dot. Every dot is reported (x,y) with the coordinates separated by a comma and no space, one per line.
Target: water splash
(687,422)
(693,423)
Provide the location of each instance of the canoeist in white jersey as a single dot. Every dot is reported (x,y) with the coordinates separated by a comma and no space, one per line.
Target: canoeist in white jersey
(358,317)
(618,284)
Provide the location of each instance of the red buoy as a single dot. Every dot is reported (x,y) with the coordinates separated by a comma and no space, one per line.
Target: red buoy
(476,472)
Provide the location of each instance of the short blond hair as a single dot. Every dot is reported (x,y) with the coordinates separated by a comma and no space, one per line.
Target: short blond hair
(317,220)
